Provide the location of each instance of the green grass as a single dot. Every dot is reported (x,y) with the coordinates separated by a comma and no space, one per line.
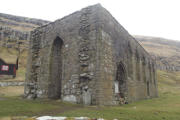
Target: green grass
(15,106)
(165,107)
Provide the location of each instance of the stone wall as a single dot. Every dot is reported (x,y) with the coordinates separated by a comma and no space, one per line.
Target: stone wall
(11,83)
(94,53)
(78,58)
(118,47)
(167,60)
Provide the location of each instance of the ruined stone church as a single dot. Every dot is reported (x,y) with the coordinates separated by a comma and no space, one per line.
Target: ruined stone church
(88,58)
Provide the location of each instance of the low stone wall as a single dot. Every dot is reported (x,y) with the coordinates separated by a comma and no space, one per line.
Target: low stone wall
(11,83)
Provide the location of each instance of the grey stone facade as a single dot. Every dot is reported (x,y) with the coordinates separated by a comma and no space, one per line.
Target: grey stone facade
(88,58)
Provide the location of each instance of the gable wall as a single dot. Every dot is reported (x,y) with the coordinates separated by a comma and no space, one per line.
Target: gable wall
(80,58)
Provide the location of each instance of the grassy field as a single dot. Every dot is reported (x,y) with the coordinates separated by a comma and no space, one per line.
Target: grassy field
(166,107)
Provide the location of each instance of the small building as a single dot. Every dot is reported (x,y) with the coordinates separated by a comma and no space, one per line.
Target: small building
(8,68)
(88,58)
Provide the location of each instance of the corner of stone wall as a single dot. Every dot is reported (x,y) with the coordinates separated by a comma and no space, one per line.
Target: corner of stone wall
(32,65)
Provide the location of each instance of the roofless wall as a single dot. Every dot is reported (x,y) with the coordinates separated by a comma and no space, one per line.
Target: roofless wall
(88,58)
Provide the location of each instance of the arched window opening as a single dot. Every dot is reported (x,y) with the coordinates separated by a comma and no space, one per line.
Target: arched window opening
(144,69)
(120,82)
(148,91)
(54,88)
(138,74)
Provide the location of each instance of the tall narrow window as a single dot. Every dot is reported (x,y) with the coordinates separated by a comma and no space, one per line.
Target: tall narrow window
(120,83)
(148,91)
(55,78)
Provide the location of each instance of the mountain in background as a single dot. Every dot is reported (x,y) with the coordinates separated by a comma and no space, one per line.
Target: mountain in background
(15,33)
(14,40)
(16,29)
(166,52)
(18,23)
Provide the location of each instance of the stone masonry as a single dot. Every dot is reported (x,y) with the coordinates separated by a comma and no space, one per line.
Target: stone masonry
(88,58)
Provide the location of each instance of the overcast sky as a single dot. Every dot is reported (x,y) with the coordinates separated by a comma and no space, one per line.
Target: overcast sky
(160,18)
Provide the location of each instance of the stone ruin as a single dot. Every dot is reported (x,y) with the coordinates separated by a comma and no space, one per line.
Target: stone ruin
(88,58)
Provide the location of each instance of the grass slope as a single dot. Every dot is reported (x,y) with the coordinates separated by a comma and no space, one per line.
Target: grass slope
(166,107)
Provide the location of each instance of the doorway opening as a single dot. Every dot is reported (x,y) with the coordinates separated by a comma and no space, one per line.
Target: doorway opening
(120,83)
(55,78)
(148,91)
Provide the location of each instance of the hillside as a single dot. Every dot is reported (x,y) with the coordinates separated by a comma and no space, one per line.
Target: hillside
(166,52)
(15,30)
(18,23)
(14,38)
